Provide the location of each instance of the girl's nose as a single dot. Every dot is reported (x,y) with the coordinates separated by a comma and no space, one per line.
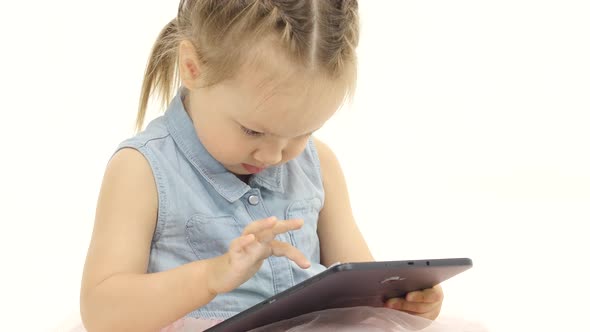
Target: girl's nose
(268,156)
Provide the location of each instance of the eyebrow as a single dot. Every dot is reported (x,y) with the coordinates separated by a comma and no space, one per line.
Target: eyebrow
(269,133)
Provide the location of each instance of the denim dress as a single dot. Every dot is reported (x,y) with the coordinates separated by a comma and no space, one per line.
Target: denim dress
(202,207)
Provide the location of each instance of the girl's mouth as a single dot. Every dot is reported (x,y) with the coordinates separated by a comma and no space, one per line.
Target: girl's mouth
(252,169)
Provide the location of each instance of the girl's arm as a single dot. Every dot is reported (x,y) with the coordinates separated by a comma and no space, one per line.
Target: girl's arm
(116,293)
(340,238)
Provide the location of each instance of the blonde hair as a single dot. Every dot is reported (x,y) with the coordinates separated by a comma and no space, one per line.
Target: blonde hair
(318,34)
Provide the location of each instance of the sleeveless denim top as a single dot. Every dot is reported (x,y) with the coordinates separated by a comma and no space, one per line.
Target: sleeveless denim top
(202,207)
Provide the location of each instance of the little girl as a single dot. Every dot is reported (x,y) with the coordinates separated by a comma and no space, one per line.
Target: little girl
(228,199)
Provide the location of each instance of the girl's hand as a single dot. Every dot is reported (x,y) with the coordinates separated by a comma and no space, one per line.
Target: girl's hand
(247,252)
(425,303)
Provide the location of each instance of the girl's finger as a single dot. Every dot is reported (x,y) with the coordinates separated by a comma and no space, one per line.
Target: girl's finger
(239,244)
(267,235)
(259,225)
(412,307)
(287,225)
(430,295)
(258,251)
(283,249)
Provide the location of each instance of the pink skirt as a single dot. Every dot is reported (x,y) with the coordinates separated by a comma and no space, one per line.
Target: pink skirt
(364,319)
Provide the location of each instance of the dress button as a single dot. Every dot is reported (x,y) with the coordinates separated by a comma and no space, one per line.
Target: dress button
(253,200)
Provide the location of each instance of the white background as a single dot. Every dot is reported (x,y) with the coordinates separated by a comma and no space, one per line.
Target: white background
(468,137)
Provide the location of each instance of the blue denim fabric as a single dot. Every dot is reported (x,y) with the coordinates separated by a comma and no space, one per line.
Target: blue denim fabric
(203,207)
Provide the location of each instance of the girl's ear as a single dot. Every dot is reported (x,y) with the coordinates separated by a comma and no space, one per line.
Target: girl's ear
(189,65)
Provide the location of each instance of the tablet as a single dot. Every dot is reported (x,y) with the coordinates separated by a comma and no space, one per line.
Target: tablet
(347,285)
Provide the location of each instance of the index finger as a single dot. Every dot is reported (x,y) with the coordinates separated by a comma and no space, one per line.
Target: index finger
(259,225)
(287,225)
(267,235)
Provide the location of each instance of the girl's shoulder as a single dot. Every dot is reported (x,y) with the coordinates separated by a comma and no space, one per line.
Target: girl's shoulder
(156,130)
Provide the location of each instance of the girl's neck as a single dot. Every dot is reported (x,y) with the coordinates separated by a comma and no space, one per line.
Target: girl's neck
(244,177)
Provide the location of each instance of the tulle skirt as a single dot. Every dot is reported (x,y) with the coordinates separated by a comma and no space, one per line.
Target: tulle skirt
(366,319)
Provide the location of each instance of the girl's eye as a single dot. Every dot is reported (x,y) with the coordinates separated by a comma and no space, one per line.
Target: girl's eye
(250,132)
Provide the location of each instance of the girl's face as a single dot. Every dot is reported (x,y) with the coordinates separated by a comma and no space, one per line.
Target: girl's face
(264,116)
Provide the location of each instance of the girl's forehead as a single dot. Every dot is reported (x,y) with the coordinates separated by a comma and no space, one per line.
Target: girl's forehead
(288,107)
(272,93)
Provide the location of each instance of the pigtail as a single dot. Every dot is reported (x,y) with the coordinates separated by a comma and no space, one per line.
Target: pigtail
(351,27)
(340,35)
(347,54)
(161,72)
